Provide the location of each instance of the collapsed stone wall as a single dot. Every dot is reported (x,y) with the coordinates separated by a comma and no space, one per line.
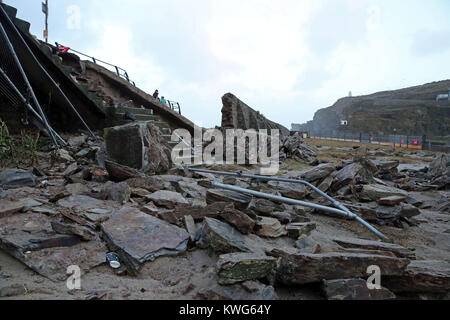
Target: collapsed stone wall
(237,115)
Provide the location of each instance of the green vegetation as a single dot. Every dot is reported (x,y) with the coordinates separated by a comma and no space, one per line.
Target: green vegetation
(18,150)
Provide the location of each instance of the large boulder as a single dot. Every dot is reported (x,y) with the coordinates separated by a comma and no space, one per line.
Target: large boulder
(138,145)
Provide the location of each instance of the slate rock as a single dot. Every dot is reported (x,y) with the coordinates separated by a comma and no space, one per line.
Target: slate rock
(305,268)
(137,237)
(16,178)
(421,276)
(270,228)
(167,199)
(319,172)
(223,238)
(354,289)
(238,219)
(241,201)
(119,192)
(239,292)
(239,267)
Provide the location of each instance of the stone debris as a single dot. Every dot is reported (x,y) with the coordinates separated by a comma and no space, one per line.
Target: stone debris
(16,178)
(223,238)
(303,268)
(138,145)
(295,147)
(239,267)
(241,201)
(79,208)
(167,199)
(270,228)
(137,237)
(422,276)
(354,289)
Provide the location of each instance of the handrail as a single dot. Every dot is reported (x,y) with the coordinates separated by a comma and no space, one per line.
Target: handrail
(175,106)
(95,60)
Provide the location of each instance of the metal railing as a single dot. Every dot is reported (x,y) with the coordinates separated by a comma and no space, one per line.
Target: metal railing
(119,71)
(175,106)
(400,141)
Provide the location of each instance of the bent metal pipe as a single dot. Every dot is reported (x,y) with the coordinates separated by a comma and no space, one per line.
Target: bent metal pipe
(341,209)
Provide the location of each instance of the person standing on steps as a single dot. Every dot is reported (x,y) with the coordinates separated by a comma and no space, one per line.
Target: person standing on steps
(156,94)
(163,101)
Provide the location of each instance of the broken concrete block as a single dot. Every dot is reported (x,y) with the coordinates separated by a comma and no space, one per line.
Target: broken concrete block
(241,201)
(119,192)
(16,178)
(354,289)
(138,145)
(238,219)
(304,268)
(167,199)
(270,227)
(137,237)
(223,238)
(239,267)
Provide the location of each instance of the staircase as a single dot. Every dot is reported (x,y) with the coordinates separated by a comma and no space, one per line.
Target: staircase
(146,115)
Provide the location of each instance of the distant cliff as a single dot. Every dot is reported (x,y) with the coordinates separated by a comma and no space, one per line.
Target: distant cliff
(411,111)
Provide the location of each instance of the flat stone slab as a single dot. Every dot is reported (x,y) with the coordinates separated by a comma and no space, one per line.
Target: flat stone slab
(421,277)
(397,250)
(137,237)
(167,199)
(391,201)
(223,238)
(241,201)
(239,267)
(81,202)
(28,237)
(270,228)
(304,268)
(249,290)
(375,192)
(354,289)
(16,178)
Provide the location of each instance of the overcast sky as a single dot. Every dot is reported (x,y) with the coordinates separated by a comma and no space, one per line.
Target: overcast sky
(285,58)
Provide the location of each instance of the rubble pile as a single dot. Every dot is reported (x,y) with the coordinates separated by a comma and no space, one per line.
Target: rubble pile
(94,198)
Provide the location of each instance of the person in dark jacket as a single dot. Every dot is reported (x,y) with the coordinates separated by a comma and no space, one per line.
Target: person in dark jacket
(156,94)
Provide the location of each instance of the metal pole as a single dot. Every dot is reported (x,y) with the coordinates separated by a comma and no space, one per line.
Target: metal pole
(24,101)
(335,203)
(47,74)
(281,199)
(46,20)
(22,72)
